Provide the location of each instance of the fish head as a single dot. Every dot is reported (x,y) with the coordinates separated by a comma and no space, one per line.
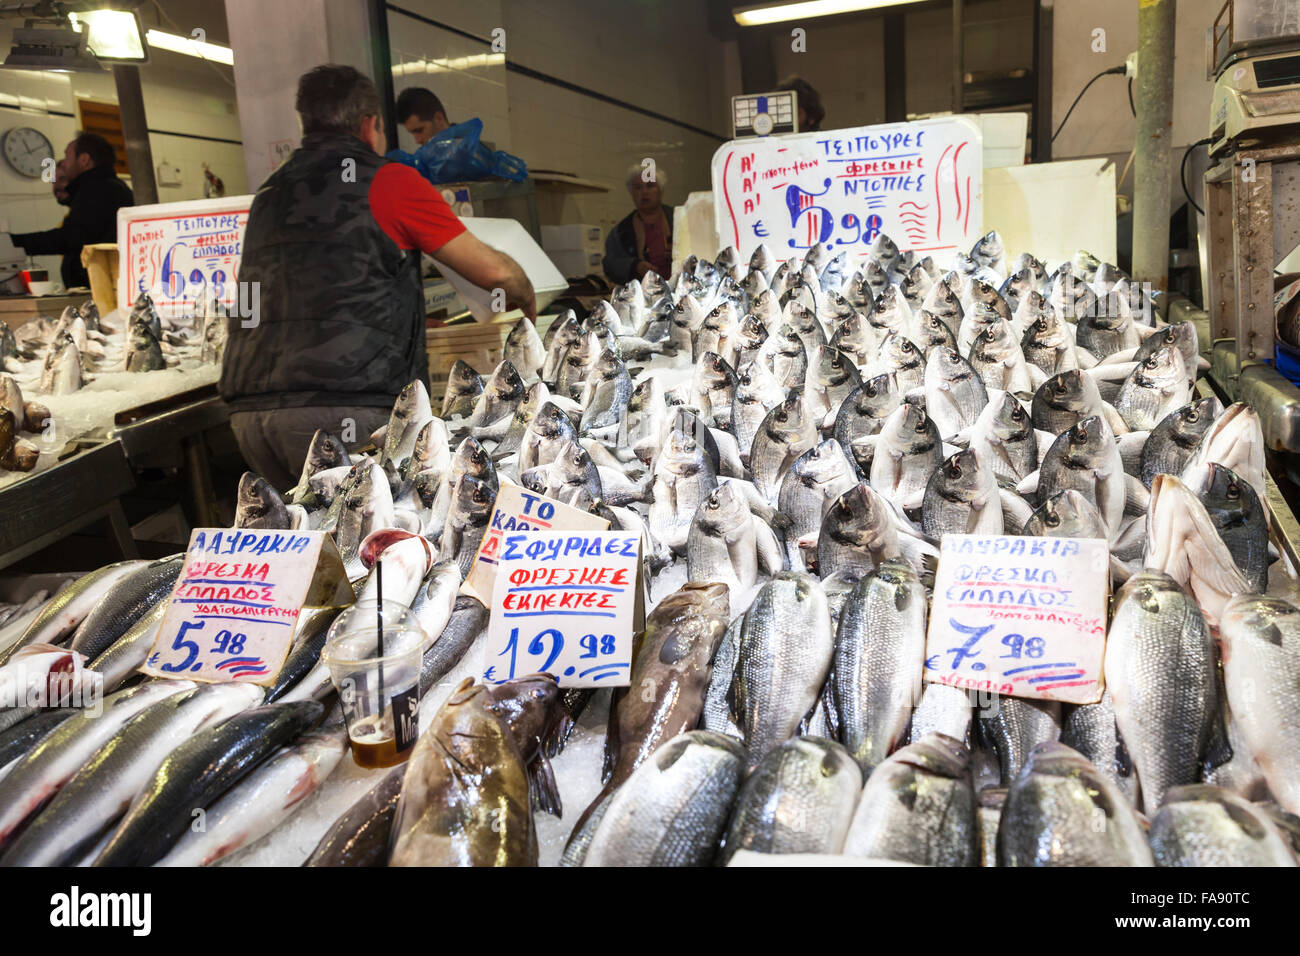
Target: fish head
(462,377)
(1011,422)
(724,507)
(1065,390)
(1086,440)
(529,706)
(962,477)
(473,495)
(752,330)
(762,258)
(1066,514)
(1149,591)
(257,505)
(1255,617)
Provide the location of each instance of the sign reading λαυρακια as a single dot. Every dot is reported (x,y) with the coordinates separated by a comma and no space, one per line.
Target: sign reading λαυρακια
(1020,616)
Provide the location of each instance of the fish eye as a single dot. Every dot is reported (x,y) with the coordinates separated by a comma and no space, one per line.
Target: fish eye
(1078,434)
(954,471)
(1193,416)
(1051,519)
(1017,413)
(920,425)
(1234,491)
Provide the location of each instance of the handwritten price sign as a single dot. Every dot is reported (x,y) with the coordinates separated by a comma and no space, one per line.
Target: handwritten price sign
(1020,616)
(921,183)
(235,605)
(564,603)
(182,253)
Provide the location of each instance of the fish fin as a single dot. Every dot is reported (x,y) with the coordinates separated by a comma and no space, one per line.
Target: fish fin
(1036,376)
(1083,358)
(1130,450)
(1016,511)
(1120,570)
(832,714)
(542,788)
(611,735)
(962,438)
(1029,484)
(1202,364)
(1123,761)
(1107,371)
(950,450)
(1113,419)
(1137,497)
(1145,331)
(1122,356)
(1044,441)
(771,557)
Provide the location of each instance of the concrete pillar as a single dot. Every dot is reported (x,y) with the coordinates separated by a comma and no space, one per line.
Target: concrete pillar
(274,44)
(1152,168)
(135,130)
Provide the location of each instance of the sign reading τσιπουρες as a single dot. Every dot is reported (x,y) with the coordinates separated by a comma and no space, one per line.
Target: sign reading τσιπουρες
(233,612)
(564,603)
(515,510)
(920,183)
(1020,616)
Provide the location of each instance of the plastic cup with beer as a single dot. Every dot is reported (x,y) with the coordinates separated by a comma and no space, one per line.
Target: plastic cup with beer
(374,651)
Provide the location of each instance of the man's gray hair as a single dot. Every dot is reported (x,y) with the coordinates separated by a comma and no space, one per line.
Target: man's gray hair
(634,176)
(335,99)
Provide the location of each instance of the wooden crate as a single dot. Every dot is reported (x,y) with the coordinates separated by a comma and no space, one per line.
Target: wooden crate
(478,343)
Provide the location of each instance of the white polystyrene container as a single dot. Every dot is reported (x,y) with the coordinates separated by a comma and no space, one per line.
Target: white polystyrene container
(513,239)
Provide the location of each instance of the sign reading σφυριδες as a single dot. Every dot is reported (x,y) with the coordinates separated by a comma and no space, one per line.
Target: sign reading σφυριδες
(564,603)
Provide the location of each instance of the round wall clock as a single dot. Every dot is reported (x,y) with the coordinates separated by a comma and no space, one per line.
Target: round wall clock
(26,149)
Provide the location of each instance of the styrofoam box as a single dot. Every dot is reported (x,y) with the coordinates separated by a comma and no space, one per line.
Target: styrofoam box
(511,238)
(583,238)
(574,263)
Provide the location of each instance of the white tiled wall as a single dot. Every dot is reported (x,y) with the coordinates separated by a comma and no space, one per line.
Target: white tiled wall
(177,99)
(845,65)
(658,56)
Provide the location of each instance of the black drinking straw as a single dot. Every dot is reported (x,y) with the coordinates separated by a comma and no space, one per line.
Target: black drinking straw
(379,613)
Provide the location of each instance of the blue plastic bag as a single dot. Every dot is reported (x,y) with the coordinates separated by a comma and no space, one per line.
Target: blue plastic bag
(455,155)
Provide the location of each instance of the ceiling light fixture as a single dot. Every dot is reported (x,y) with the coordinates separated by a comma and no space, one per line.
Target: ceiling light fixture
(114,35)
(806,10)
(190,47)
(51,45)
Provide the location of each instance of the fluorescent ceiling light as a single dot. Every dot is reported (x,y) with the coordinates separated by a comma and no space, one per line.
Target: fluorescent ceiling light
(113,35)
(806,9)
(449,64)
(200,48)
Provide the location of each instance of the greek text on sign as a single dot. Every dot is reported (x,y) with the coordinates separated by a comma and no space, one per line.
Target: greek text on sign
(1020,616)
(920,183)
(233,611)
(564,603)
(516,509)
(182,254)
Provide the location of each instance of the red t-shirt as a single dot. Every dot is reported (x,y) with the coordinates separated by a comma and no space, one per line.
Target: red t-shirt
(410,210)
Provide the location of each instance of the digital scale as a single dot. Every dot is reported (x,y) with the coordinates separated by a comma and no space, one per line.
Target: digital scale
(763,114)
(1254,60)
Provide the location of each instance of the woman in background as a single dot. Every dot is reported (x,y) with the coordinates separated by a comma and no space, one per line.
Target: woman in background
(643,241)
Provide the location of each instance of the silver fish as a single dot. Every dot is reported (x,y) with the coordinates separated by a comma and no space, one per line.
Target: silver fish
(1086,459)
(799,799)
(1066,514)
(879,657)
(1236,441)
(1209,826)
(782,660)
(1092,730)
(1158,386)
(810,486)
(954,393)
(464,385)
(757,392)
(1161,673)
(1013,726)
(1060,811)
(962,498)
(1261,669)
(862,414)
(786,433)
(1175,437)
(673,810)
(683,479)
(727,543)
(918,807)
(908,451)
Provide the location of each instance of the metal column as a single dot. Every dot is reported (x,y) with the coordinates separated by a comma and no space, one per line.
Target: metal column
(135,130)
(1152,167)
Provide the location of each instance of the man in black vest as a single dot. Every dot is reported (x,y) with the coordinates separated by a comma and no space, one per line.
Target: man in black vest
(332,250)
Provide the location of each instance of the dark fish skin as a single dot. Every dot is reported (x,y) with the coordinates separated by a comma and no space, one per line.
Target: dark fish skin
(24,735)
(199,771)
(124,605)
(1173,440)
(1234,507)
(65,611)
(360,837)
(469,618)
(257,505)
(305,655)
(669,678)
(1015,728)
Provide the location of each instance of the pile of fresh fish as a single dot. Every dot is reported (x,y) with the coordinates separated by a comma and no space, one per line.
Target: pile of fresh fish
(791,440)
(58,356)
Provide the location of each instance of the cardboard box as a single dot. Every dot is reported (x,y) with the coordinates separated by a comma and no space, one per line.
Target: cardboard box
(100,261)
(574,264)
(579,237)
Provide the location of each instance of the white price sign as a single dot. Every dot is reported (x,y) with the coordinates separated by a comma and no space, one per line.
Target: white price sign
(235,605)
(1020,616)
(564,603)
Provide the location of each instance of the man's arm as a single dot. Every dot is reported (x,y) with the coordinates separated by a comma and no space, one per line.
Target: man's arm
(77,230)
(489,268)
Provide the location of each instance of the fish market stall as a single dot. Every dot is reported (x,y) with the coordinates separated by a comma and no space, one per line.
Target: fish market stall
(796,450)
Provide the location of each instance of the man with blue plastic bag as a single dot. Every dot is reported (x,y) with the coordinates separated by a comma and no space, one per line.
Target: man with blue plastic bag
(333,244)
